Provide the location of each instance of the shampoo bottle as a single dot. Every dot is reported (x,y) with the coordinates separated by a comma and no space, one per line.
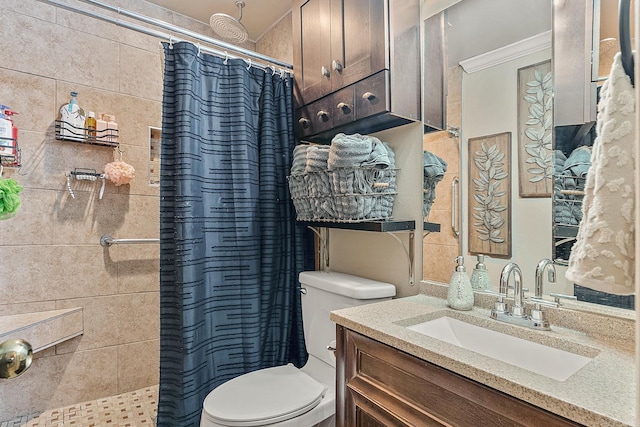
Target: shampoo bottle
(480,276)
(72,117)
(112,128)
(101,128)
(90,127)
(460,295)
(6,132)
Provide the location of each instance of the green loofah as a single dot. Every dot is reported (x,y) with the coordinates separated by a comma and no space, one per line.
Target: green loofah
(9,198)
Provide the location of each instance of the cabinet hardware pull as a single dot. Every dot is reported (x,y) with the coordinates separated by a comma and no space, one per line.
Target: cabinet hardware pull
(322,113)
(304,122)
(331,348)
(368,95)
(325,72)
(343,106)
(337,65)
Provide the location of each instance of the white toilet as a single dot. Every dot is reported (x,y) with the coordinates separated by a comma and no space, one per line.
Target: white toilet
(285,396)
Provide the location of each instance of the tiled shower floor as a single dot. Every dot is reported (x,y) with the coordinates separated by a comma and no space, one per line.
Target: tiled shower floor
(133,409)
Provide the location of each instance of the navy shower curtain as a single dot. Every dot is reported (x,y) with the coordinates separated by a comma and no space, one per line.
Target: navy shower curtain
(230,248)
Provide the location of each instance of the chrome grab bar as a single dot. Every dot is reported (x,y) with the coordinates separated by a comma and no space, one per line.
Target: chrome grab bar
(106,241)
(454,216)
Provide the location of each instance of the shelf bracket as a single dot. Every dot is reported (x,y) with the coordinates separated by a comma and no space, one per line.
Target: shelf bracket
(410,253)
(323,246)
(323,249)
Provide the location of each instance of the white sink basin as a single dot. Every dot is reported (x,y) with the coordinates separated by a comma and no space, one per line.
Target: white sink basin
(541,359)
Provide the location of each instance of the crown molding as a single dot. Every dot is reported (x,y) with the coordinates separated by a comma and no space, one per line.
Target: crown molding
(507,53)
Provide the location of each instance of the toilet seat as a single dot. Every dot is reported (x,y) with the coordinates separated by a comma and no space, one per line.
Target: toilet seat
(263,397)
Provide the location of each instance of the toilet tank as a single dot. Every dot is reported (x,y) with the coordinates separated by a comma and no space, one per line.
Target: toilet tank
(328,291)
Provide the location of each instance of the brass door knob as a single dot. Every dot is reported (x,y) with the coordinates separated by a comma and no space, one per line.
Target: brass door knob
(15,358)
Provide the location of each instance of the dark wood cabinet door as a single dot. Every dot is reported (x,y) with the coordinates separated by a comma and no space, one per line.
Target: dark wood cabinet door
(312,49)
(358,40)
(380,385)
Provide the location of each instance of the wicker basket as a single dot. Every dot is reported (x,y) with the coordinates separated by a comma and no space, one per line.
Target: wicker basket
(345,194)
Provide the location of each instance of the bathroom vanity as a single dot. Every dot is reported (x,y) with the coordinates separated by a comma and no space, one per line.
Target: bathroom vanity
(388,374)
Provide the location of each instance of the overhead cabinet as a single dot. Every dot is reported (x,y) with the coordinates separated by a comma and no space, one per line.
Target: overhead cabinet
(356,65)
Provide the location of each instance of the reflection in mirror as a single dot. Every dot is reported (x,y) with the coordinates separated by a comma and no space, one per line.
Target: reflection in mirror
(575,131)
(482,72)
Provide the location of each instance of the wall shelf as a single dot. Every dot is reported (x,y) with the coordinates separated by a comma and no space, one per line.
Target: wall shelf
(67,132)
(381,226)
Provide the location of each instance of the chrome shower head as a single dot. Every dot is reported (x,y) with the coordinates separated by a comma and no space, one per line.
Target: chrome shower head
(229,28)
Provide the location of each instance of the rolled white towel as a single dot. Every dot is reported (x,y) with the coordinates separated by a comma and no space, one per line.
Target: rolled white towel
(317,156)
(299,162)
(349,150)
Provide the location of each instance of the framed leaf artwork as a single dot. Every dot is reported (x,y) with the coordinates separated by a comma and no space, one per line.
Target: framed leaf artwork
(535,128)
(490,195)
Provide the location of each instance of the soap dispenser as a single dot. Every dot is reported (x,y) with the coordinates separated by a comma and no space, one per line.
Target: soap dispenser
(460,295)
(480,276)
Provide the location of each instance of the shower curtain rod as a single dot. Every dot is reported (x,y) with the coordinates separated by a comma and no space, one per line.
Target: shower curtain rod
(270,62)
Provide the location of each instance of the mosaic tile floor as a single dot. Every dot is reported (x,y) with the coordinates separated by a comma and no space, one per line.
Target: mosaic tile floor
(133,409)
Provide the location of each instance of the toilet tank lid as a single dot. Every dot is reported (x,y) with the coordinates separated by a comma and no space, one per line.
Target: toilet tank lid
(347,285)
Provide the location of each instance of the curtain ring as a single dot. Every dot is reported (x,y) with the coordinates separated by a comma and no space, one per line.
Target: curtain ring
(248,60)
(273,70)
(170,42)
(226,58)
(282,73)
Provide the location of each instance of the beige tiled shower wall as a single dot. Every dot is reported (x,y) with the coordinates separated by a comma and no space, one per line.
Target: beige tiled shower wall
(50,257)
(440,249)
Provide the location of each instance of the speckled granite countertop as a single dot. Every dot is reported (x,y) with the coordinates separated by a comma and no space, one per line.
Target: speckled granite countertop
(600,394)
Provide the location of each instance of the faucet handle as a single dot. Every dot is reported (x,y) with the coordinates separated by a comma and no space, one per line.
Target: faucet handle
(539,301)
(557,297)
(537,316)
(499,306)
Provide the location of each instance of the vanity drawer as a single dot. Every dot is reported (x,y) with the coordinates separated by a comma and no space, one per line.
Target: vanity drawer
(377,383)
(343,106)
(315,117)
(372,95)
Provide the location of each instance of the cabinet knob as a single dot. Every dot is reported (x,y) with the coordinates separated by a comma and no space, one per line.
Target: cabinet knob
(304,122)
(325,72)
(322,113)
(337,65)
(368,95)
(343,106)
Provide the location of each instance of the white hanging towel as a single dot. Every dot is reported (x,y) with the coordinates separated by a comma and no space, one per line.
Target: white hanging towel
(603,256)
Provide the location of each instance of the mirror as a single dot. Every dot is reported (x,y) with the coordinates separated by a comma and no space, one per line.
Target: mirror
(488,75)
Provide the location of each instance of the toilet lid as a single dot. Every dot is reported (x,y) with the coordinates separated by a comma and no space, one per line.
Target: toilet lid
(263,397)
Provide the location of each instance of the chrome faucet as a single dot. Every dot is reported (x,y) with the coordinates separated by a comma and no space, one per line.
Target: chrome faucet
(538,317)
(518,300)
(542,265)
(517,313)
